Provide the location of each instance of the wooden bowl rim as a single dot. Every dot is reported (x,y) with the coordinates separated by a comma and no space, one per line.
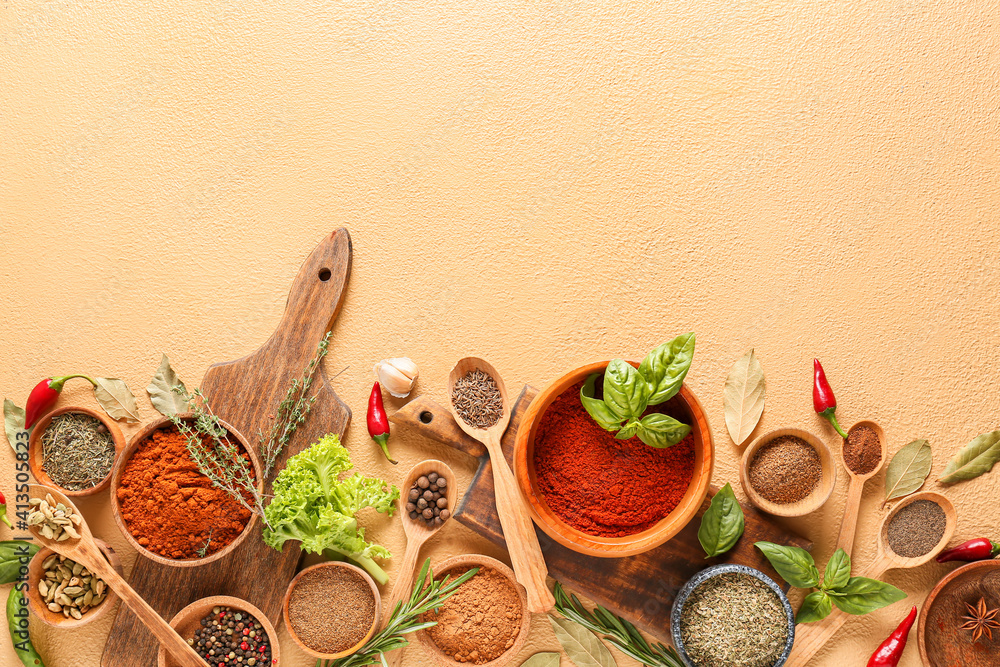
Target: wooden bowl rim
(133,445)
(481,561)
(42,612)
(611,547)
(227,601)
(880,432)
(928,604)
(951,523)
(816,498)
(35,448)
(371,631)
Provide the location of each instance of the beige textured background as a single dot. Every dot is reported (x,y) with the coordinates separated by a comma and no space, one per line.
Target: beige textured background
(544,183)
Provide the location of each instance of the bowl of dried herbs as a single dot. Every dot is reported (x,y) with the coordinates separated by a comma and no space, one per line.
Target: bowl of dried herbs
(73,450)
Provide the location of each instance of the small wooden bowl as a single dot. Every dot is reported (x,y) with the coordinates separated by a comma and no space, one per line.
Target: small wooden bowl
(482,562)
(187,621)
(942,640)
(818,496)
(683,406)
(375,619)
(951,521)
(36,455)
(116,475)
(38,606)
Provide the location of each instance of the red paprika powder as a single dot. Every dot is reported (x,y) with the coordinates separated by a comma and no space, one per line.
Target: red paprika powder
(600,485)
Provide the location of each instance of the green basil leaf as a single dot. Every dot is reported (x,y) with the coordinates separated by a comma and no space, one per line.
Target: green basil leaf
(795,565)
(723,522)
(665,367)
(11,553)
(815,607)
(598,409)
(661,431)
(628,431)
(862,595)
(838,571)
(625,391)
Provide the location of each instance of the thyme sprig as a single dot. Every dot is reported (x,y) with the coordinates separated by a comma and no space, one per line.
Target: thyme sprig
(426,596)
(616,630)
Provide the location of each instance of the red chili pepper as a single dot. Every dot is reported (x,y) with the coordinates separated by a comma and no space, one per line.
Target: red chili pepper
(378,421)
(823,401)
(891,650)
(44,396)
(977,549)
(3,509)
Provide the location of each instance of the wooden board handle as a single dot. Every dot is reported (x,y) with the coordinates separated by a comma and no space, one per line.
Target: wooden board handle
(434,421)
(849,524)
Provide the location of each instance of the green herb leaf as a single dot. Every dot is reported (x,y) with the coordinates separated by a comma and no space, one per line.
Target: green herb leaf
(13,423)
(629,430)
(795,565)
(977,457)
(862,595)
(815,607)
(743,397)
(661,431)
(11,553)
(908,470)
(838,571)
(166,391)
(598,409)
(665,367)
(723,522)
(625,391)
(542,660)
(582,646)
(116,399)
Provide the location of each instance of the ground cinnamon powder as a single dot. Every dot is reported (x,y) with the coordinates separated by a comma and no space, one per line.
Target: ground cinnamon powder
(481,620)
(862,450)
(170,507)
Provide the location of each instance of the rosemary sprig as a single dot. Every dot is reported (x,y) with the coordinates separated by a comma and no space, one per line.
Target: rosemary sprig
(404,620)
(616,630)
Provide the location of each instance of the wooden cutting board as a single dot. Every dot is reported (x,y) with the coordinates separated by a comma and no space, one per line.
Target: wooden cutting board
(246,393)
(640,588)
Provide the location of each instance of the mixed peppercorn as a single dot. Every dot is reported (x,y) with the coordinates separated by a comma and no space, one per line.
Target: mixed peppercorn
(231,637)
(427,500)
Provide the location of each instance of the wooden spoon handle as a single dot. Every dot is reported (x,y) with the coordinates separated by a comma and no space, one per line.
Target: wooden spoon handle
(519,534)
(403,587)
(849,524)
(166,635)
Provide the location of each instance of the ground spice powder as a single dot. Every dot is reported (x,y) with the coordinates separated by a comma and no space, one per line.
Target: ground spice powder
(481,621)
(785,470)
(916,529)
(331,609)
(862,450)
(600,485)
(170,507)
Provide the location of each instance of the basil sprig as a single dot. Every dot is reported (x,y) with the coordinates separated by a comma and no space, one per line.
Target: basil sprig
(723,523)
(629,391)
(854,595)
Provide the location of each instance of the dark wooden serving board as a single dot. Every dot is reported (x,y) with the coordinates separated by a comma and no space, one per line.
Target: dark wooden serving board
(245,393)
(641,588)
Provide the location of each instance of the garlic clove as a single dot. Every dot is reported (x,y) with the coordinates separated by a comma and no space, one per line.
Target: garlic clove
(405,366)
(397,376)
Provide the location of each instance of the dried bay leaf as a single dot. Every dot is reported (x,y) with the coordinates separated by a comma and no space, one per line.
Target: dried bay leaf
(977,457)
(542,660)
(162,392)
(13,423)
(743,397)
(908,470)
(116,399)
(582,646)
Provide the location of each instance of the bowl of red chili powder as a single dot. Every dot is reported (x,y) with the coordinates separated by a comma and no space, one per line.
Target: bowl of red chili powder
(601,496)
(167,509)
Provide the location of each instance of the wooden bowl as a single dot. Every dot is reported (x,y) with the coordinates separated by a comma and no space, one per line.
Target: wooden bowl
(815,499)
(943,642)
(42,612)
(375,616)
(188,620)
(476,560)
(683,406)
(132,448)
(35,453)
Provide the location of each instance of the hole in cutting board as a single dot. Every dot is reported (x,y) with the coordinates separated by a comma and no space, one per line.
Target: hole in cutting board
(324,274)
(426,417)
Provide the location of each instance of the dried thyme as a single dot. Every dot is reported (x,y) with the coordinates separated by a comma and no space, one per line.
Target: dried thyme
(732,620)
(477,399)
(77,451)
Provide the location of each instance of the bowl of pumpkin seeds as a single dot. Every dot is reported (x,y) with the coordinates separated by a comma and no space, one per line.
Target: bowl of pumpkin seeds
(63,593)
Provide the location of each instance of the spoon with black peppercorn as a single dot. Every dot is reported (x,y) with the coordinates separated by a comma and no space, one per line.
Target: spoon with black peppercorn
(427,478)
(70,536)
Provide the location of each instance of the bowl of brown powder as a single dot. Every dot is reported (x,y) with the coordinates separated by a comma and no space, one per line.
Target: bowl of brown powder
(485,622)
(788,472)
(332,609)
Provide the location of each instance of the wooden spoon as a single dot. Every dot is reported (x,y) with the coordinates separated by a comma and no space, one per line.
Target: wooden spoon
(849,524)
(417,532)
(519,532)
(84,550)
(811,637)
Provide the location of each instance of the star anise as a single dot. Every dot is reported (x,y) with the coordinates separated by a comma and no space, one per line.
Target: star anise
(981,620)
